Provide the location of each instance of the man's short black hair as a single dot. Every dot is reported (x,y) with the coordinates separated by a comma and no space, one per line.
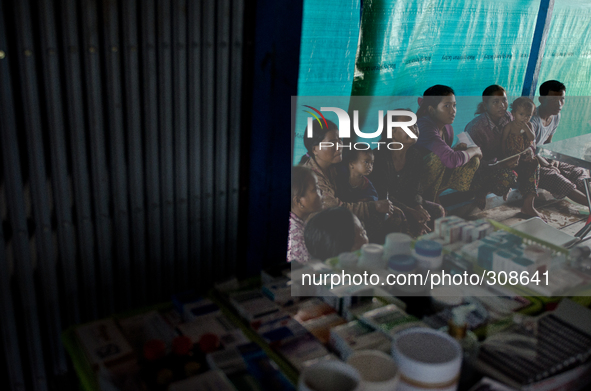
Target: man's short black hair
(551,85)
(330,233)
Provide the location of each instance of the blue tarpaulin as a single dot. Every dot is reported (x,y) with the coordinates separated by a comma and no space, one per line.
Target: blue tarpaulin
(402,47)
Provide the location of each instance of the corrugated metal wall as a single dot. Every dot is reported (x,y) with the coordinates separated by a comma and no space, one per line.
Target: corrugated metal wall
(120,142)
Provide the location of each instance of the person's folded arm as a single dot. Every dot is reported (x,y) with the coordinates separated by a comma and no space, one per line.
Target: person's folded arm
(449,157)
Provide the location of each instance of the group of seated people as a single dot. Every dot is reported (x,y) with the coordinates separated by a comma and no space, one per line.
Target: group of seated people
(340,198)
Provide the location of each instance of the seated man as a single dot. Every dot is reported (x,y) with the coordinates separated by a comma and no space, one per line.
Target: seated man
(560,179)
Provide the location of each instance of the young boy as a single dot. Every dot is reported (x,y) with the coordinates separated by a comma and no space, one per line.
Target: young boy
(560,179)
(352,182)
(518,135)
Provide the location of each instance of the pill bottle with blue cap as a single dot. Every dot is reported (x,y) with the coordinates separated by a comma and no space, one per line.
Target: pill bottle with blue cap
(402,263)
(428,254)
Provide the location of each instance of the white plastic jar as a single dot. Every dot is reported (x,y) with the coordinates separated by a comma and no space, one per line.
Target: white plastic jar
(372,257)
(397,243)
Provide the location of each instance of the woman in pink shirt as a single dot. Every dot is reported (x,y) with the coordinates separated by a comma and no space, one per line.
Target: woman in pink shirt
(444,167)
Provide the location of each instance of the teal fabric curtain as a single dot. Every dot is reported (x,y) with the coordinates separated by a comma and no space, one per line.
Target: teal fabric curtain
(330,33)
(401,47)
(567,57)
(407,46)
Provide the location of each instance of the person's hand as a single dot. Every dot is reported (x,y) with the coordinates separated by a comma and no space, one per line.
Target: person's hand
(474,152)
(543,162)
(460,147)
(396,215)
(420,217)
(529,131)
(384,206)
(529,155)
(512,163)
(422,214)
(424,229)
(418,220)
(415,215)
(554,165)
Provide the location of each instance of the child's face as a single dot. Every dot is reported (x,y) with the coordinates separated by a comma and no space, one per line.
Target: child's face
(523,114)
(363,165)
(360,235)
(311,201)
